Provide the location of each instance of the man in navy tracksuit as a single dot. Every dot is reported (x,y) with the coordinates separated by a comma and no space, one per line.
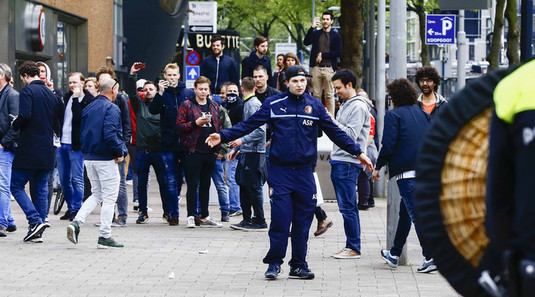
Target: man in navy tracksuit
(294,118)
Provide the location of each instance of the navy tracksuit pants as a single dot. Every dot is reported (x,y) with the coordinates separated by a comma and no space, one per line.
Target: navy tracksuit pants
(292,194)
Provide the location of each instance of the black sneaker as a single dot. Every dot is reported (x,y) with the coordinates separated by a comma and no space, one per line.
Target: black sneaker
(72,232)
(142,218)
(35,230)
(225,217)
(274,270)
(256,227)
(3,231)
(12,228)
(66,216)
(108,243)
(73,215)
(38,238)
(302,273)
(241,225)
(166,217)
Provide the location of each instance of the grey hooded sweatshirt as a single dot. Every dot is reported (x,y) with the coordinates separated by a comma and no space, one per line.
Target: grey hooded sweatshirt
(354,119)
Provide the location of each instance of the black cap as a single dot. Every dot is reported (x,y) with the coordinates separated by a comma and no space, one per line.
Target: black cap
(296,70)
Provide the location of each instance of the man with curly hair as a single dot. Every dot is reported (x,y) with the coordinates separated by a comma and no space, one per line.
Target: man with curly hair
(428,80)
(404,129)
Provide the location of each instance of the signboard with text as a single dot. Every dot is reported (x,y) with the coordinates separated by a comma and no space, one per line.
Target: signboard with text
(440,29)
(203,16)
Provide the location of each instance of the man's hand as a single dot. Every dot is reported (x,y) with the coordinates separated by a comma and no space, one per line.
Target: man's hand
(236,143)
(330,114)
(162,84)
(135,68)
(318,58)
(232,154)
(317,23)
(220,156)
(50,84)
(375,175)
(213,140)
(119,159)
(365,161)
(77,93)
(202,121)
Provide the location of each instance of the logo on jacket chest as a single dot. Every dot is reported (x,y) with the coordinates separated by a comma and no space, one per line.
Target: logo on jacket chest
(308,123)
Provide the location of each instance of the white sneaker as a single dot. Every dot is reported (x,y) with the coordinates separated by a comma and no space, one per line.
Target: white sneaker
(191,222)
(149,209)
(208,222)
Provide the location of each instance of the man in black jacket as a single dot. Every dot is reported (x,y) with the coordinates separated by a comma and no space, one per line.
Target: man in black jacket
(70,156)
(37,123)
(326,49)
(9,108)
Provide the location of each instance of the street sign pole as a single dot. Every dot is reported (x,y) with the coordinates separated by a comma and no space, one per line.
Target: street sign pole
(185,47)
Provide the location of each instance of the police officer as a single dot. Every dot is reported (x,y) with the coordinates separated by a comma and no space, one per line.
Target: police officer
(294,118)
(511,172)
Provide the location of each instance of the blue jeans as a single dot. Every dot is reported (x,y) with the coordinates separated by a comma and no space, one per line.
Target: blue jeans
(406,217)
(166,176)
(234,189)
(344,177)
(71,174)
(122,197)
(219,183)
(6,160)
(35,212)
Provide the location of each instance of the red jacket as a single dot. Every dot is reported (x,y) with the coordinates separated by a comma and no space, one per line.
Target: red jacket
(188,112)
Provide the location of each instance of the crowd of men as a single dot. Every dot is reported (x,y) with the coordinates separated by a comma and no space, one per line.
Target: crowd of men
(262,128)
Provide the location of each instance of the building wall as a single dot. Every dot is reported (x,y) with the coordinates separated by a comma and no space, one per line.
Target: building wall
(99,15)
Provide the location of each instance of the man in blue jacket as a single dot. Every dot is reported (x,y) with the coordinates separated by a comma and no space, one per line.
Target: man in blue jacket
(326,49)
(258,57)
(9,108)
(294,118)
(171,93)
(37,123)
(219,68)
(404,130)
(103,148)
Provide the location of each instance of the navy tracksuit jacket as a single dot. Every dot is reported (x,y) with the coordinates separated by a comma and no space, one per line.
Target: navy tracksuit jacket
(294,122)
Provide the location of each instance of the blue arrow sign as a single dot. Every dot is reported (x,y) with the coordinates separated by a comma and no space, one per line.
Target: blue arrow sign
(192,72)
(440,29)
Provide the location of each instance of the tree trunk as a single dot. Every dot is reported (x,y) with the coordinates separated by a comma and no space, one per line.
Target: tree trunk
(351,31)
(424,54)
(513,33)
(496,44)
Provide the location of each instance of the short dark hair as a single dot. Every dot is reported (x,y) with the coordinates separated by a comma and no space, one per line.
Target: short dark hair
(259,40)
(229,83)
(402,92)
(346,76)
(328,13)
(105,69)
(429,72)
(149,82)
(29,67)
(247,84)
(218,37)
(260,68)
(201,80)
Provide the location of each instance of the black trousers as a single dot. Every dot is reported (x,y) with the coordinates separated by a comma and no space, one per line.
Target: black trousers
(250,176)
(199,169)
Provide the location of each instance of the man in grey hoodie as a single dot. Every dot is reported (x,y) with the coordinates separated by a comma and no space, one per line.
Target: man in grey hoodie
(251,169)
(354,119)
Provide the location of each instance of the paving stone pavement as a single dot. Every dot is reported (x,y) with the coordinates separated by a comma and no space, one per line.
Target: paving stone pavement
(231,266)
